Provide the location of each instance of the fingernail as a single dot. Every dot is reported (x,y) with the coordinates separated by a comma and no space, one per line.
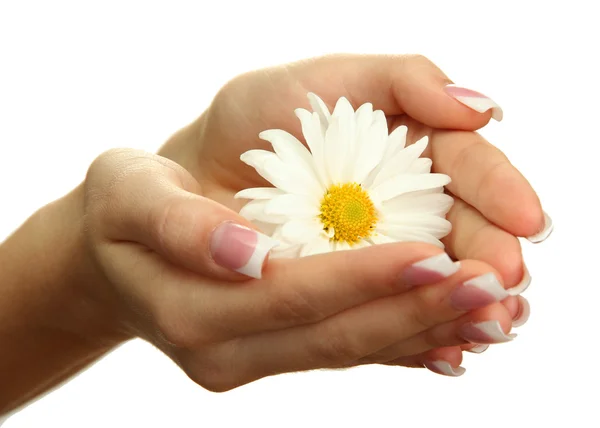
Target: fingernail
(544,233)
(444,368)
(475,100)
(430,270)
(478,349)
(240,249)
(478,293)
(524,312)
(521,286)
(485,332)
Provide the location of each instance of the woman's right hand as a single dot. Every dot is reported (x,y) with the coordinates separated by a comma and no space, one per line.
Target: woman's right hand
(170,259)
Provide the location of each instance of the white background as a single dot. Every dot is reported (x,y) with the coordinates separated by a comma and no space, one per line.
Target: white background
(78,78)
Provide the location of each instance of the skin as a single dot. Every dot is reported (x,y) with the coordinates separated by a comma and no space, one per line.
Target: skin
(127,253)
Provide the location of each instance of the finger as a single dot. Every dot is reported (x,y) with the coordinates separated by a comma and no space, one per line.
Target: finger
(310,289)
(518,310)
(523,312)
(445,361)
(296,292)
(362,331)
(483,327)
(149,202)
(483,177)
(474,237)
(398,84)
(292,292)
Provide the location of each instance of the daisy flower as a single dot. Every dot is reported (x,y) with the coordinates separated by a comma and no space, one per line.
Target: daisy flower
(357,186)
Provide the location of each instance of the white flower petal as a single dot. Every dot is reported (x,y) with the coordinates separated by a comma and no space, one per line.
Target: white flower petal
(342,246)
(405,183)
(340,142)
(301,230)
(317,246)
(343,108)
(269,229)
(407,234)
(286,177)
(335,151)
(380,238)
(293,206)
(315,140)
(420,166)
(370,153)
(364,120)
(259,193)
(361,244)
(289,252)
(397,140)
(255,210)
(292,152)
(320,108)
(433,203)
(256,158)
(437,227)
(401,161)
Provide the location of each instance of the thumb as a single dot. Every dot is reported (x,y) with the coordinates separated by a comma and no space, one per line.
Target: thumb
(152,205)
(400,84)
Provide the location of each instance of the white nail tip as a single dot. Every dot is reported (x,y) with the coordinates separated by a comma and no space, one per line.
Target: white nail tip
(443,367)
(481,105)
(494,331)
(478,349)
(544,233)
(490,284)
(253,267)
(441,263)
(521,286)
(524,315)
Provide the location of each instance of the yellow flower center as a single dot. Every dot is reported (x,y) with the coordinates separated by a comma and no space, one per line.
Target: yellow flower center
(347,213)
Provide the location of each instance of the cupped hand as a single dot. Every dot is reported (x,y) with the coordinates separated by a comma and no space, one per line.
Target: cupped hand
(494,203)
(163,257)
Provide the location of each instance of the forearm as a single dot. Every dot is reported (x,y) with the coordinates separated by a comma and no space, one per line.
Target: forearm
(49,326)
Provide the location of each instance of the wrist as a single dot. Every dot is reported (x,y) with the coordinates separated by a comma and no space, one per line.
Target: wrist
(51,326)
(53,277)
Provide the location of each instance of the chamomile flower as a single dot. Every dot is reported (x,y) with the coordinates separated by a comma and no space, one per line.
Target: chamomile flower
(357,186)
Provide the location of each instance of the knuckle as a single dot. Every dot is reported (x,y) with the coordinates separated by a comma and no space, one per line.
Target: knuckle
(431,339)
(294,307)
(213,378)
(214,370)
(426,306)
(107,176)
(487,182)
(335,347)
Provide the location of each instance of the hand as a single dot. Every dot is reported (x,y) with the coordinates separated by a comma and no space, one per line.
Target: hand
(494,203)
(162,271)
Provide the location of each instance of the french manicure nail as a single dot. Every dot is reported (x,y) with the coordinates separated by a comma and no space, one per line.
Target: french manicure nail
(444,368)
(430,270)
(521,286)
(524,312)
(478,292)
(544,233)
(475,100)
(485,332)
(478,349)
(240,249)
